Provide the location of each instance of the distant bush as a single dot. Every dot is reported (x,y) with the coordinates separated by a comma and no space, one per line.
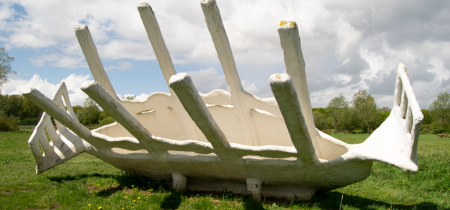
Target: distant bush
(358,131)
(106,121)
(8,124)
(29,121)
(437,127)
(426,131)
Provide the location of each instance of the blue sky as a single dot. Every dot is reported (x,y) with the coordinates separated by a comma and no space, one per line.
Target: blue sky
(347,45)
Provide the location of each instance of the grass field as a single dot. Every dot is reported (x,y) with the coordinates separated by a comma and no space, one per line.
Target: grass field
(88,183)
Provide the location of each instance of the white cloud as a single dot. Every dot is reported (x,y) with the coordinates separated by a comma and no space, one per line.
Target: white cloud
(73,83)
(11,85)
(249,87)
(206,80)
(342,78)
(347,45)
(142,97)
(347,38)
(59,60)
(42,85)
(121,66)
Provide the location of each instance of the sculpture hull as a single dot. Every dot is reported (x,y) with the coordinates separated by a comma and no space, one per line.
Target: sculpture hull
(283,178)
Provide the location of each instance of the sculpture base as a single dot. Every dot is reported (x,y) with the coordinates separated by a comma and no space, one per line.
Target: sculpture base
(240,187)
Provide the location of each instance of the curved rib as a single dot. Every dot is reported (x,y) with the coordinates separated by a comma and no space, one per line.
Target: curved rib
(268,151)
(216,97)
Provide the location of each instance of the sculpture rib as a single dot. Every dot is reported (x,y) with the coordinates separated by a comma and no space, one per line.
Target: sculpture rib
(92,58)
(286,96)
(165,62)
(239,142)
(222,45)
(196,108)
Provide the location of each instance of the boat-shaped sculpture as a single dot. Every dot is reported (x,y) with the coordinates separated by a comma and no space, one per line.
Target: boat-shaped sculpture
(223,140)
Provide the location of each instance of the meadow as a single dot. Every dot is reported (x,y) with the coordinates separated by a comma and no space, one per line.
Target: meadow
(86,182)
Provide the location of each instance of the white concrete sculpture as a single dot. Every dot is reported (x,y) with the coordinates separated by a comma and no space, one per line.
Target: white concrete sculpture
(223,140)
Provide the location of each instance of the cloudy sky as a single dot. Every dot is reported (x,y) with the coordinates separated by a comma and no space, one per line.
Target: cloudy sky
(347,45)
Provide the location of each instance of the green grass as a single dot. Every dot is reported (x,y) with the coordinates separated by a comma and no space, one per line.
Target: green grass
(26,127)
(86,180)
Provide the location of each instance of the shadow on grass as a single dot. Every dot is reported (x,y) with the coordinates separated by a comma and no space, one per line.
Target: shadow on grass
(332,200)
(322,200)
(131,182)
(249,203)
(69,177)
(172,201)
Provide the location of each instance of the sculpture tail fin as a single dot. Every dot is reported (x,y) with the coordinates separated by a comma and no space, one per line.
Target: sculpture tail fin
(395,141)
(58,145)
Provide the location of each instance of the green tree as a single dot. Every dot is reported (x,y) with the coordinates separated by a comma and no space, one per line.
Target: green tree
(3,101)
(366,108)
(90,112)
(106,121)
(427,118)
(30,113)
(5,67)
(29,109)
(102,115)
(321,110)
(440,108)
(320,120)
(349,121)
(129,97)
(76,108)
(336,109)
(383,115)
(12,105)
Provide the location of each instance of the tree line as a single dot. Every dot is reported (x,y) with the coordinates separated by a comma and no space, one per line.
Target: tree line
(17,110)
(360,115)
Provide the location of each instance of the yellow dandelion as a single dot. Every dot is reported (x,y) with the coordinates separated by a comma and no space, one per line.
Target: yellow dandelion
(139,198)
(125,196)
(99,207)
(134,200)
(89,204)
